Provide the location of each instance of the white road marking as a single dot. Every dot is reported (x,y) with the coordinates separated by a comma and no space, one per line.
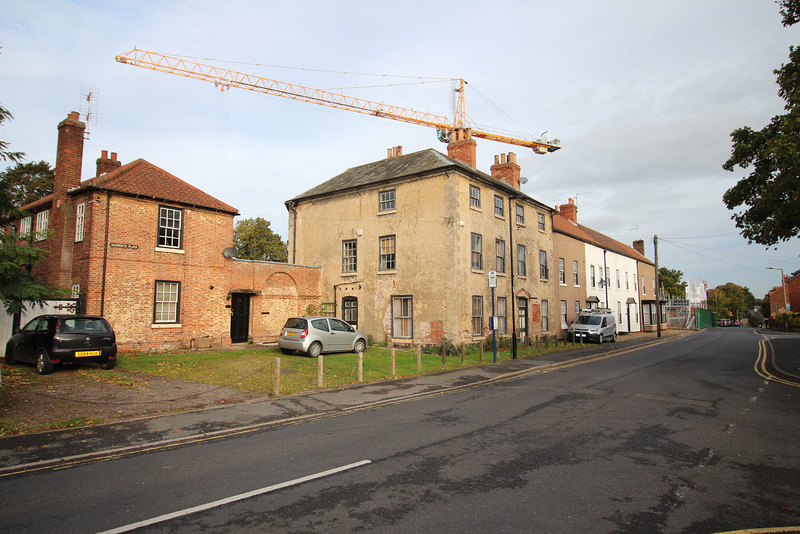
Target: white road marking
(234,498)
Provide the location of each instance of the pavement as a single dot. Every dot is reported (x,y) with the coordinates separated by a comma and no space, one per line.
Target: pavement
(63,448)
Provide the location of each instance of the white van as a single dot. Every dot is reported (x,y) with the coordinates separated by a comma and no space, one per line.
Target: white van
(594,324)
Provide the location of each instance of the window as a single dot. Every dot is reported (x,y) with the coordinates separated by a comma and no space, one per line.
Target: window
(562,271)
(339,326)
(577,308)
(349,256)
(543,264)
(521,257)
(618,286)
(25,228)
(575,280)
(477,251)
(627,284)
(350,310)
(499,206)
(520,214)
(541,222)
(80,211)
(41,225)
(386,200)
(167,302)
(648,314)
(76,290)
(402,312)
(501,325)
(500,254)
(387,260)
(644,287)
(545,316)
(477,316)
(591,275)
(170,225)
(608,276)
(474,196)
(564,325)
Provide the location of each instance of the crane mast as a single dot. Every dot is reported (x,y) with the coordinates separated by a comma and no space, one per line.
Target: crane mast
(231,78)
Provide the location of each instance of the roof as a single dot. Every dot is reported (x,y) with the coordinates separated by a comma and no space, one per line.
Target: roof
(416,164)
(141,178)
(562,225)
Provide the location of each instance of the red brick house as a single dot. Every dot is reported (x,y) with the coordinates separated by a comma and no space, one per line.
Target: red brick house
(777,304)
(145,249)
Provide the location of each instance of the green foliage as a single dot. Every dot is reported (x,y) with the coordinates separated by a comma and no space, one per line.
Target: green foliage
(767,202)
(731,301)
(6,155)
(27,182)
(672,282)
(255,240)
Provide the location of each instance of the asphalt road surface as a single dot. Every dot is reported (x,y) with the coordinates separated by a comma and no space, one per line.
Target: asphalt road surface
(684,436)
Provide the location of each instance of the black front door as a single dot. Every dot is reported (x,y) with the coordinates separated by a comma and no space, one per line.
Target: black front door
(240,317)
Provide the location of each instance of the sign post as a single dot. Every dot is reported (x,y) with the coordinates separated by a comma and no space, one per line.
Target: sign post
(493,325)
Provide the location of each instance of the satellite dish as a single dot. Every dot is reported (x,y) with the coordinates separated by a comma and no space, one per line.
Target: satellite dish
(230,252)
(523,180)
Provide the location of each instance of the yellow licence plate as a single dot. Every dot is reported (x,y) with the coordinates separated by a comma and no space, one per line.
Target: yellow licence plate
(87,353)
(291,333)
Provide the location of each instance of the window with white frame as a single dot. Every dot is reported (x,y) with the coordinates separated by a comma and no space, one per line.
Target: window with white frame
(41,225)
(80,211)
(25,228)
(520,214)
(499,206)
(644,287)
(577,308)
(592,278)
(167,302)
(170,227)
(477,251)
(477,315)
(562,271)
(627,283)
(387,253)
(545,316)
(402,317)
(575,280)
(349,256)
(474,196)
(76,290)
(543,271)
(564,324)
(522,267)
(501,311)
(542,226)
(386,200)
(500,256)
(618,286)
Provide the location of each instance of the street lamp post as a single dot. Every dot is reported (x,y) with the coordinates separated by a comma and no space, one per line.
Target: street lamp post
(785,302)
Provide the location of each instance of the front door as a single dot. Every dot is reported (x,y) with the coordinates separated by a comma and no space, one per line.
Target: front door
(240,317)
(522,314)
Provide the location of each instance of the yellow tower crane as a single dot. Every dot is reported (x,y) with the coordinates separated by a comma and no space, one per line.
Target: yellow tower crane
(230,78)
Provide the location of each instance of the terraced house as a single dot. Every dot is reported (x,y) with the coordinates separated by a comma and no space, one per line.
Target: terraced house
(407,244)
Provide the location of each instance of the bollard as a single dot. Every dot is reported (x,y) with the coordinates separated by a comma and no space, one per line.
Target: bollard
(444,355)
(393,366)
(320,370)
(419,359)
(360,366)
(276,386)
(481,356)
(463,350)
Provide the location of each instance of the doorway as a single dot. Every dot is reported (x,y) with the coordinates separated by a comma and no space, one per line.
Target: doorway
(240,317)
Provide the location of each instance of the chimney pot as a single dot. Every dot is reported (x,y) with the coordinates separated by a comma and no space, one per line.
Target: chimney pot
(104,154)
(113,156)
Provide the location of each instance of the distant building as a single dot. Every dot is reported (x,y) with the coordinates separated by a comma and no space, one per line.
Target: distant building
(777,304)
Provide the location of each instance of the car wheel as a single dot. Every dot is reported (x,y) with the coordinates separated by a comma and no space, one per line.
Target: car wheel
(315,349)
(287,351)
(9,356)
(360,346)
(109,364)
(600,338)
(43,364)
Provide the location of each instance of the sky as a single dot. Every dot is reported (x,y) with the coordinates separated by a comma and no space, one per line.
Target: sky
(643,95)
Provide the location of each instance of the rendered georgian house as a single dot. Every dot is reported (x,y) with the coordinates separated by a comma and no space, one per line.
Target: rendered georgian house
(407,244)
(145,249)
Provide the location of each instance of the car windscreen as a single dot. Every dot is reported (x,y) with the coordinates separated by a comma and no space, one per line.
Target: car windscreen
(295,322)
(588,319)
(85,326)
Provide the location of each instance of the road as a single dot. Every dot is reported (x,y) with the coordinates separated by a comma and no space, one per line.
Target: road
(684,436)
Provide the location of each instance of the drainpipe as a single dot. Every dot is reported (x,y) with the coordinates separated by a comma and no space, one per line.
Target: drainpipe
(512,213)
(105,256)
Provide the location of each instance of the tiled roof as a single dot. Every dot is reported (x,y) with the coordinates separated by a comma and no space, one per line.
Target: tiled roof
(564,226)
(399,167)
(143,179)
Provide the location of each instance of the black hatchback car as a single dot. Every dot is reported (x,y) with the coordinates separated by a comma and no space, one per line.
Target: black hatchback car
(55,339)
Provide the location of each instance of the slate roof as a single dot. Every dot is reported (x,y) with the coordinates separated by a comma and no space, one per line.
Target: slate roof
(564,226)
(421,163)
(142,179)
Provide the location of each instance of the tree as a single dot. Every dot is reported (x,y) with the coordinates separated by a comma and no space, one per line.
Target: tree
(731,300)
(17,284)
(671,281)
(28,181)
(255,240)
(768,199)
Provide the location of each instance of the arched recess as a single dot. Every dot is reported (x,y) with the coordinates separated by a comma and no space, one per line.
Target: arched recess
(279,300)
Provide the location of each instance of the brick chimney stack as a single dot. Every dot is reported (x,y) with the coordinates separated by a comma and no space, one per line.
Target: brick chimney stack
(69,156)
(570,211)
(106,164)
(638,246)
(505,168)
(463,147)
(394,152)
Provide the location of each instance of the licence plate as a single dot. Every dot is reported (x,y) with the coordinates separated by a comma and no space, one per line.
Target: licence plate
(291,334)
(87,353)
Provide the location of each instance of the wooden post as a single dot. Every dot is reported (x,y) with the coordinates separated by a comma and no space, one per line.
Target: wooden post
(419,359)
(360,366)
(276,384)
(463,351)
(481,356)
(320,370)
(393,366)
